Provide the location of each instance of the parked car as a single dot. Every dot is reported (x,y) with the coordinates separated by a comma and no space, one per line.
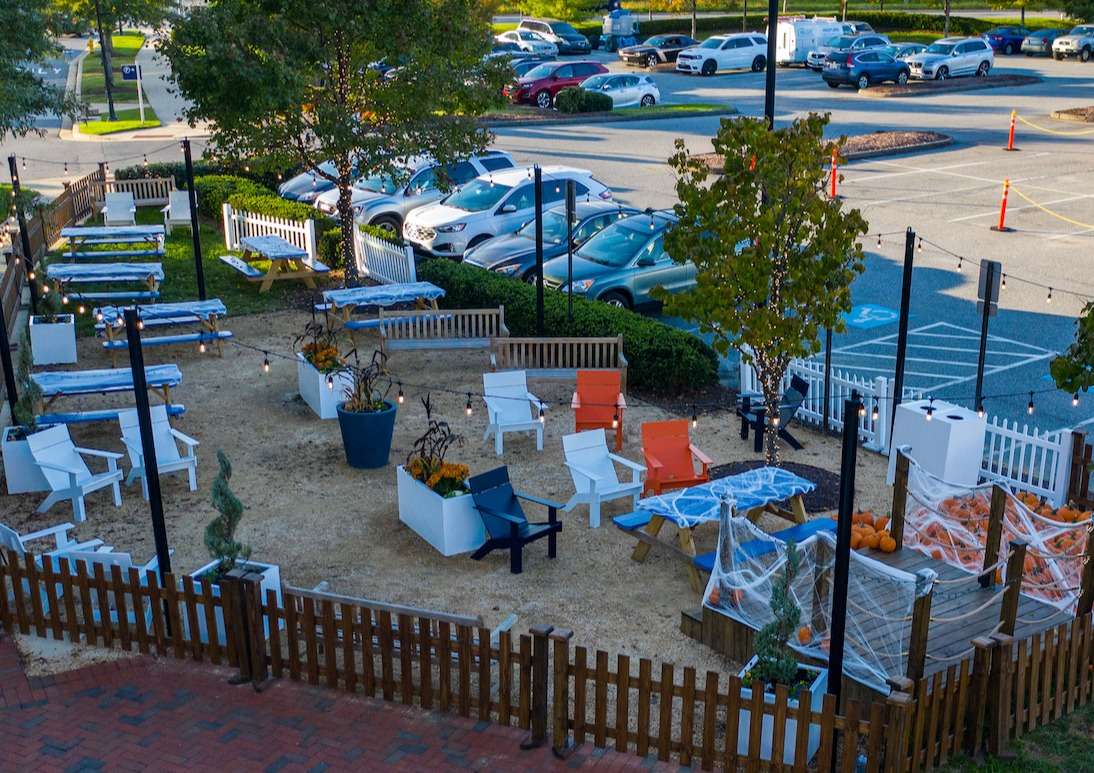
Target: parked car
(307,186)
(725,52)
(528,41)
(1079,42)
(515,254)
(380,201)
(903,51)
(859,27)
(1040,42)
(843,44)
(490,205)
(795,38)
(622,264)
(949,57)
(864,69)
(523,65)
(540,85)
(660,49)
(506,48)
(625,90)
(1006,40)
(566,38)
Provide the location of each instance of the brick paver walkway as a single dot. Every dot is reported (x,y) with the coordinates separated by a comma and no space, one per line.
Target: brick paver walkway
(161,714)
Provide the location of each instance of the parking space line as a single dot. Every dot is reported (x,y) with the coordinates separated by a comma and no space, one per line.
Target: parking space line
(878,202)
(910,170)
(1023,207)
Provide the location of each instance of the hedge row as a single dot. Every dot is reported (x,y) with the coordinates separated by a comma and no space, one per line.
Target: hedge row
(177,169)
(662,359)
(213,190)
(578,100)
(330,242)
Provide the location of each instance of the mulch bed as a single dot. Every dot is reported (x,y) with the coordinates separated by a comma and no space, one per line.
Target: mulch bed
(823,498)
(1081,114)
(875,143)
(923,88)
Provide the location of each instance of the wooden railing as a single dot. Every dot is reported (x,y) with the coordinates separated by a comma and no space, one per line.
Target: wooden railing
(11,289)
(561,354)
(423,328)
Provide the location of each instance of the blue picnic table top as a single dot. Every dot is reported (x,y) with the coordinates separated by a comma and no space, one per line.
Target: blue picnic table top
(689,507)
(87,382)
(272,247)
(103,231)
(180,312)
(383,295)
(104,272)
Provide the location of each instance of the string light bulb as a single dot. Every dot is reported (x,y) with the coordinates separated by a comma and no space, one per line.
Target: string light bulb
(146,160)
(1049,298)
(45,289)
(1029,405)
(960,264)
(401,398)
(861,410)
(875,412)
(98,315)
(467,408)
(1004,284)
(615,420)
(140,324)
(80,309)
(542,416)
(775,420)
(980,409)
(31,275)
(64,300)
(330,382)
(879,240)
(920,247)
(930,409)
(1075,399)
(265,362)
(201,346)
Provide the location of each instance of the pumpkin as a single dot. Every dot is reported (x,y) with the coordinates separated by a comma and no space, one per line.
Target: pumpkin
(715,596)
(856,540)
(871,541)
(805,635)
(887,544)
(936,554)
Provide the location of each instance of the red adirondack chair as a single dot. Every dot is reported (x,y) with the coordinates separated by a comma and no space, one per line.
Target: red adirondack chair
(670,457)
(598,403)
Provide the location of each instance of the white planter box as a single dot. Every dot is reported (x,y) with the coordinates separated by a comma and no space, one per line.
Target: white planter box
(53,343)
(451,525)
(21,473)
(313,388)
(817,689)
(271,580)
(950,446)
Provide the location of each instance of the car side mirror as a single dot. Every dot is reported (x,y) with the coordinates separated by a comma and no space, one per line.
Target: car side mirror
(644,261)
(506,209)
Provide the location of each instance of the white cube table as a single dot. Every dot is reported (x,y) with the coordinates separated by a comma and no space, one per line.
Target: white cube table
(950,445)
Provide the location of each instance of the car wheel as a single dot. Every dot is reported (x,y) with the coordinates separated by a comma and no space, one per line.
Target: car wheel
(982,70)
(902,78)
(652,61)
(709,67)
(832,85)
(530,278)
(618,300)
(1008,49)
(1084,55)
(543,99)
(387,224)
(942,73)
(759,63)
(1057,57)
(863,81)
(647,100)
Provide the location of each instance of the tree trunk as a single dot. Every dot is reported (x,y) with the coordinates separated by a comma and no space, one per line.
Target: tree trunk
(345,220)
(946,14)
(1023,16)
(843,10)
(772,398)
(694,8)
(744,17)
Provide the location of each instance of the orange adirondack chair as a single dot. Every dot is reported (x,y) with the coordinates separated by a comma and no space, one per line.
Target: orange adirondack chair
(670,457)
(598,403)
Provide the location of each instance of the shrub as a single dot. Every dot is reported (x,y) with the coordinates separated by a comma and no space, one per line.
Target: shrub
(177,169)
(330,243)
(214,189)
(262,202)
(579,100)
(662,359)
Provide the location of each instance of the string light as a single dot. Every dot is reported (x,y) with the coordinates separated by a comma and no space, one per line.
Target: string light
(694,417)
(1029,405)
(80,309)
(542,416)
(45,289)
(920,247)
(1049,298)
(1004,285)
(775,420)
(875,412)
(615,420)
(265,362)
(980,409)
(930,409)
(146,160)
(861,410)
(960,265)
(1075,399)
(467,408)
(31,275)
(330,382)
(140,323)
(201,346)
(401,398)
(64,300)
(879,240)
(98,315)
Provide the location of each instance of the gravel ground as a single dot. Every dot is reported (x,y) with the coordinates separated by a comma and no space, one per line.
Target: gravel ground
(1084,114)
(321,520)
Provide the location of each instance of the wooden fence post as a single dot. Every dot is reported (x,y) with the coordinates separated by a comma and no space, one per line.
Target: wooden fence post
(1086,593)
(900,499)
(917,641)
(999,705)
(236,625)
(900,706)
(995,534)
(1008,610)
(540,664)
(978,704)
(561,743)
(251,586)
(1078,483)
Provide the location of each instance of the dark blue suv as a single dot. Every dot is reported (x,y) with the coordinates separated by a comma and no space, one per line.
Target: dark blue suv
(1006,40)
(862,70)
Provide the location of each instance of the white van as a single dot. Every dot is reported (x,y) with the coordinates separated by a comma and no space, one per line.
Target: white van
(797,37)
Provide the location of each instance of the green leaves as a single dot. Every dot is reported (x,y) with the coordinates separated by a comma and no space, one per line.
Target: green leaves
(1073,371)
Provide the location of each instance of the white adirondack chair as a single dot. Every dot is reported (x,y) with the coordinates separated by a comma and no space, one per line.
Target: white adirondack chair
(119,209)
(510,407)
(124,562)
(165,436)
(61,461)
(592,468)
(62,542)
(177,211)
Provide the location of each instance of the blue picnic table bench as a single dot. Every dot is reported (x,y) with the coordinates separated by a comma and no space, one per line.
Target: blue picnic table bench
(68,274)
(71,383)
(110,322)
(151,236)
(287,261)
(345,301)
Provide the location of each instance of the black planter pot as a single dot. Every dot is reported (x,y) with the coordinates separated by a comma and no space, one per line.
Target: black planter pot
(367,436)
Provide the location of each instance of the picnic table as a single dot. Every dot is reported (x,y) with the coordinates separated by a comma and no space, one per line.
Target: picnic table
(67,274)
(149,239)
(68,383)
(343,302)
(110,321)
(754,492)
(287,261)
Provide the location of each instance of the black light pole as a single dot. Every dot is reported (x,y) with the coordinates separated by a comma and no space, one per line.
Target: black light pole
(108,78)
(9,371)
(199,270)
(769,84)
(24,237)
(539,249)
(987,297)
(571,205)
(827,409)
(902,331)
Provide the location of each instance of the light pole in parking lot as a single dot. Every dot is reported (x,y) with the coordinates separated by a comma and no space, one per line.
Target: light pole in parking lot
(539,248)
(769,85)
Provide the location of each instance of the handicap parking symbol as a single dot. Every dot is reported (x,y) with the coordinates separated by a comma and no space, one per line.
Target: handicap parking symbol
(868,316)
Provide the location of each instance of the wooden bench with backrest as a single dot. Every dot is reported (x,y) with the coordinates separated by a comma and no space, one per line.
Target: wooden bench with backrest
(447,329)
(560,357)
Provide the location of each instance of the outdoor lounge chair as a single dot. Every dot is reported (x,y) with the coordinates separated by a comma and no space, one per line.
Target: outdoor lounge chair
(598,402)
(670,457)
(119,209)
(168,458)
(592,469)
(62,542)
(510,407)
(62,463)
(506,524)
(124,562)
(753,414)
(177,211)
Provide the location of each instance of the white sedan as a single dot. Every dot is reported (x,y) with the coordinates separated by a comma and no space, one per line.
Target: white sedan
(528,41)
(625,90)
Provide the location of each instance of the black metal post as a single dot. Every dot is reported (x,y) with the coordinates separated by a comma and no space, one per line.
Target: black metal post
(24,236)
(108,76)
(9,371)
(989,287)
(199,269)
(571,206)
(902,330)
(539,249)
(769,83)
(148,445)
(826,410)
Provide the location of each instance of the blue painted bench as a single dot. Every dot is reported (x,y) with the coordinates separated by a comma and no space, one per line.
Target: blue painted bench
(758,547)
(180,338)
(242,267)
(106,414)
(98,254)
(116,295)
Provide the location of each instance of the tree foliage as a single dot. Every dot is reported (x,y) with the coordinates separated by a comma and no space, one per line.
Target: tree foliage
(775,664)
(290,81)
(1079,10)
(1073,371)
(564,10)
(775,256)
(220,534)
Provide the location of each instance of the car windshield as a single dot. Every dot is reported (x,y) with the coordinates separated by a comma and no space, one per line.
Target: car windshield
(1084,30)
(618,244)
(554,228)
(595,82)
(562,28)
(656,40)
(712,43)
(377,184)
(940,48)
(842,41)
(477,195)
(540,71)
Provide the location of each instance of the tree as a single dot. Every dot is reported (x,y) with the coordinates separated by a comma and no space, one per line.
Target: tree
(1079,10)
(25,39)
(679,6)
(1073,371)
(1022,6)
(290,82)
(564,10)
(775,256)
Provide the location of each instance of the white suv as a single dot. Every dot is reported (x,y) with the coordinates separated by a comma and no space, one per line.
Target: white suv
(1079,42)
(948,57)
(380,201)
(725,52)
(489,205)
(531,42)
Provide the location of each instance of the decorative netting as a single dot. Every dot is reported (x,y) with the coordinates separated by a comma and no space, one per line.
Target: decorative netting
(880,598)
(950,523)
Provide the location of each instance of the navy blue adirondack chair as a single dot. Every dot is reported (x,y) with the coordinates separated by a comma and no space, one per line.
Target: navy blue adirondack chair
(505,521)
(753,415)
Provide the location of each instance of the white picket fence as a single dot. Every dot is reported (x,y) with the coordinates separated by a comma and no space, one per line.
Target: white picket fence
(239,224)
(384,261)
(147,192)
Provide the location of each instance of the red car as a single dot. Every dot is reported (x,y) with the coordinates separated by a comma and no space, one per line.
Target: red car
(541,84)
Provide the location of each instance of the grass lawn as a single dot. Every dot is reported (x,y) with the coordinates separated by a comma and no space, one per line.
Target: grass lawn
(677,109)
(1065,745)
(27,194)
(93,84)
(127,121)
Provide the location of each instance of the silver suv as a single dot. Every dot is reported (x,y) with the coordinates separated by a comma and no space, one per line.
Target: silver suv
(950,57)
(379,201)
(851,44)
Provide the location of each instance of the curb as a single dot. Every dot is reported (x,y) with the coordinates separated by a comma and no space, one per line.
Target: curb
(1059,115)
(973,84)
(899,150)
(604,118)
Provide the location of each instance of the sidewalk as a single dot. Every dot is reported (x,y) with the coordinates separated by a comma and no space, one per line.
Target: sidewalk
(141,712)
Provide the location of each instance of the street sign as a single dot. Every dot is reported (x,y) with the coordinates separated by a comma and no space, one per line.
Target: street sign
(131,72)
(981,289)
